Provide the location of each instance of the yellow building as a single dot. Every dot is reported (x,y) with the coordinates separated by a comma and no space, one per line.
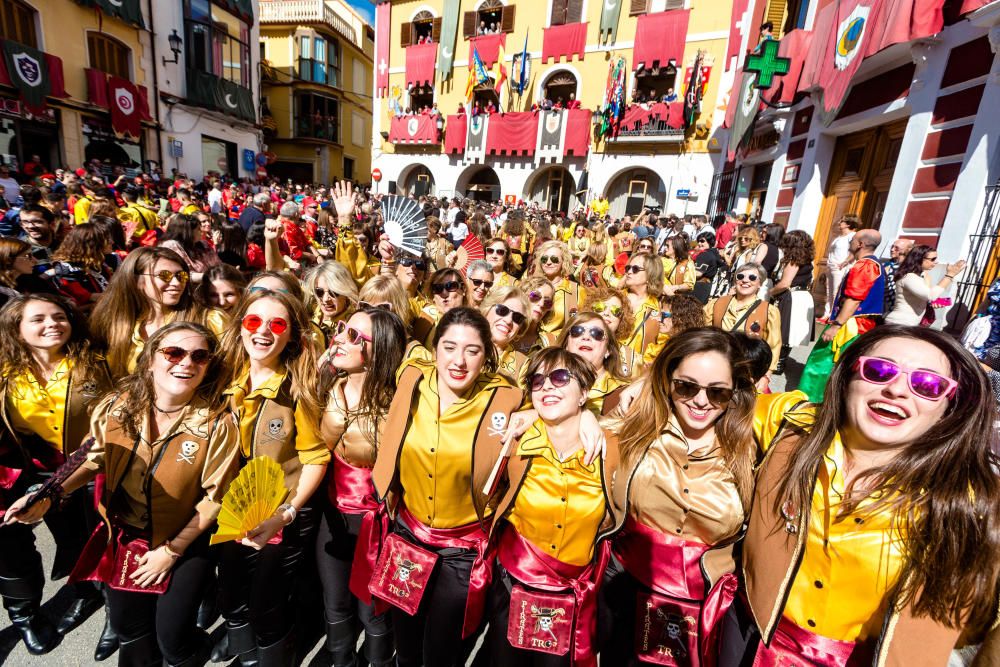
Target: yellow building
(81,47)
(316,76)
(655,159)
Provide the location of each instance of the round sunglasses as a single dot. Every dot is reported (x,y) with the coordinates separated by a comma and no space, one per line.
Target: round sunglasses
(925,384)
(354,337)
(717,396)
(596,333)
(176,355)
(600,307)
(503,311)
(749,277)
(559,378)
(277,325)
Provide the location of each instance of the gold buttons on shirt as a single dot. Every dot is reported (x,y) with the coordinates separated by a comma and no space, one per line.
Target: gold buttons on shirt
(818,584)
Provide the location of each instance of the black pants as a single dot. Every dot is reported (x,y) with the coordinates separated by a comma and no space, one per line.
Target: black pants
(258,587)
(335,543)
(21,573)
(172,617)
(616,616)
(502,654)
(433,636)
(740,637)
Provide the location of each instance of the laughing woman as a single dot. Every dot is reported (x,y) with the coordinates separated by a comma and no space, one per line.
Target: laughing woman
(874,538)
(367,351)
(508,311)
(440,442)
(332,294)
(590,337)
(275,399)
(552,262)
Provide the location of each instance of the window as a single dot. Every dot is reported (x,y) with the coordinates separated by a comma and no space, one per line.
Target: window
(319,60)
(491,17)
(107,54)
(566,11)
(423,28)
(420,97)
(217,42)
(637,7)
(358,129)
(656,85)
(561,88)
(360,78)
(17,22)
(348,169)
(317,117)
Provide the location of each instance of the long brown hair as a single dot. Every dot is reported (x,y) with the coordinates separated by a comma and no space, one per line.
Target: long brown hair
(84,246)
(10,250)
(137,388)
(942,488)
(123,305)
(651,412)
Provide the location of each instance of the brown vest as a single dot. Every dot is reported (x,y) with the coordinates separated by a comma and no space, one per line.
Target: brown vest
(771,559)
(173,489)
(486,448)
(274,436)
(758,317)
(679,273)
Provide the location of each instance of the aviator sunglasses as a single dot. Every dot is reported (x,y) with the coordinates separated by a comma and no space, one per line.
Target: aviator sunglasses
(600,307)
(596,333)
(168,276)
(534,296)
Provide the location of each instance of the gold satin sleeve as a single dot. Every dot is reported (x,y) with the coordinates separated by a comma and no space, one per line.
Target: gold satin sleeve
(346,438)
(773,337)
(99,429)
(308,441)
(772,409)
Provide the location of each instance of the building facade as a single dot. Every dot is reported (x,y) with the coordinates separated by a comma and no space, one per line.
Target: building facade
(912,149)
(317,78)
(657,158)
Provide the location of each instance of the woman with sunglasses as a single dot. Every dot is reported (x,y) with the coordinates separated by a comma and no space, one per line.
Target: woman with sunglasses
(874,536)
(167,451)
(410,271)
(914,290)
(497,255)
(552,262)
(332,296)
(507,310)
(51,380)
(744,311)
(615,309)
(548,526)
(150,290)
(479,281)
(520,239)
(687,454)
(578,242)
(441,440)
(448,290)
(367,351)
(678,269)
(590,337)
(643,281)
(275,398)
(540,295)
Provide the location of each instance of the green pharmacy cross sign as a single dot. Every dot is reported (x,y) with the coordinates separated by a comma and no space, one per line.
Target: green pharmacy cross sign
(767,64)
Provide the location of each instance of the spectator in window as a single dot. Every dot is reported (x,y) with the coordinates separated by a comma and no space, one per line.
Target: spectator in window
(482,28)
(669,96)
(573,102)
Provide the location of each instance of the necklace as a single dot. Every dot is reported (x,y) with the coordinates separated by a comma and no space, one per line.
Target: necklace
(168,412)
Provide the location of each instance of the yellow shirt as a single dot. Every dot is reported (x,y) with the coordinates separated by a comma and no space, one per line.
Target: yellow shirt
(637,341)
(771,410)
(37,408)
(560,505)
(215,320)
(435,469)
(81,211)
(140,220)
(849,565)
(771,335)
(557,319)
(308,439)
(503,280)
(604,385)
(189,209)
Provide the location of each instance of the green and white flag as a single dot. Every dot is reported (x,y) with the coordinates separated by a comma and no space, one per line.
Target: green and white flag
(610,11)
(127,10)
(449,32)
(28,72)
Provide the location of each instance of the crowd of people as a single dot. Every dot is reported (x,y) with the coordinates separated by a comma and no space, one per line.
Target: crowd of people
(566,448)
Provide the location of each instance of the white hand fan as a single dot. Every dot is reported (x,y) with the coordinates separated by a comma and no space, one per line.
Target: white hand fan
(405,224)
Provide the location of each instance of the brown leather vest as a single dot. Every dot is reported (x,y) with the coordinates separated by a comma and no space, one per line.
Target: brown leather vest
(758,317)
(274,436)
(173,487)
(771,559)
(486,448)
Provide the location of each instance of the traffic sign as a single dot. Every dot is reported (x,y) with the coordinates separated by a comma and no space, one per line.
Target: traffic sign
(683,193)
(376,175)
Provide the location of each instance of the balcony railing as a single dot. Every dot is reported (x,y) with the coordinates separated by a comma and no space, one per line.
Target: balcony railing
(311,127)
(652,122)
(656,129)
(307,11)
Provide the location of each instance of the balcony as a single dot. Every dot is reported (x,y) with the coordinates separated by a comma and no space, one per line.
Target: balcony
(659,122)
(415,129)
(323,128)
(298,12)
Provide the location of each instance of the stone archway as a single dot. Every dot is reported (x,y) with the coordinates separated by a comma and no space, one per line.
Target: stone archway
(551,187)
(631,190)
(416,180)
(479,183)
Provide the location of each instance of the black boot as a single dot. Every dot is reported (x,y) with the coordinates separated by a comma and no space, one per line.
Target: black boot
(782,358)
(36,630)
(199,657)
(341,642)
(208,610)
(140,652)
(241,643)
(78,612)
(279,654)
(107,644)
(379,650)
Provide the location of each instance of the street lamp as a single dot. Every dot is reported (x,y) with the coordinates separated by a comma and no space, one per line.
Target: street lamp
(175,45)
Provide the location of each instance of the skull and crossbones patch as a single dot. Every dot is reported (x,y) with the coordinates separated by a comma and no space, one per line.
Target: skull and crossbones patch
(498,424)
(188,450)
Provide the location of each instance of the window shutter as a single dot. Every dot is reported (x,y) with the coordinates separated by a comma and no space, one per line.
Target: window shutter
(558,12)
(574,11)
(507,19)
(637,7)
(675,4)
(469,22)
(436,30)
(405,35)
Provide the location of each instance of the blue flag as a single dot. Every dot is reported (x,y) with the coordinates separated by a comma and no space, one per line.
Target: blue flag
(522,73)
(477,65)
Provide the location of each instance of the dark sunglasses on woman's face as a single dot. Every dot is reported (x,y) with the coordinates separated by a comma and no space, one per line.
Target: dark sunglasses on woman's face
(535,296)
(749,277)
(634,268)
(418,264)
(559,378)
(504,311)
(596,333)
(176,355)
(384,305)
(476,282)
(550,259)
(717,396)
(321,293)
(450,286)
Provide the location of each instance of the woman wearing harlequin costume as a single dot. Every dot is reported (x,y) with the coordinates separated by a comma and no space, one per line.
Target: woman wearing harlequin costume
(874,537)
(686,476)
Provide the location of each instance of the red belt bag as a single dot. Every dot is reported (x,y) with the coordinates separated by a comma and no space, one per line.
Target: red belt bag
(541,621)
(401,573)
(112,559)
(126,562)
(666,630)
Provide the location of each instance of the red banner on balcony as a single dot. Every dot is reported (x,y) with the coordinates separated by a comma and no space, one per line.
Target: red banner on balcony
(659,38)
(578,128)
(57,81)
(420,62)
(97,87)
(454,135)
(416,129)
(124,98)
(382,18)
(512,133)
(564,40)
(488,47)
(638,115)
(795,46)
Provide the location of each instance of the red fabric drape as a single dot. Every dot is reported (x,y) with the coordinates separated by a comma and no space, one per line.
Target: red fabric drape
(512,133)
(564,40)
(454,135)
(57,82)
(488,47)
(660,38)
(97,87)
(417,129)
(382,18)
(420,62)
(578,126)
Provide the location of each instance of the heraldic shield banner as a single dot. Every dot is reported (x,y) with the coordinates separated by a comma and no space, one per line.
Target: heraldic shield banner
(29,73)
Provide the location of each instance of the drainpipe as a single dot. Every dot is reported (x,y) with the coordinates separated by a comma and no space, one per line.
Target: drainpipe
(156,87)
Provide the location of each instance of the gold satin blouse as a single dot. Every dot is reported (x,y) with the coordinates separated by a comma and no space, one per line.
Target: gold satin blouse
(344,432)
(687,494)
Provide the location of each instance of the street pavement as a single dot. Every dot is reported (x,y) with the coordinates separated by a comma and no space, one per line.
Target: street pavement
(77,648)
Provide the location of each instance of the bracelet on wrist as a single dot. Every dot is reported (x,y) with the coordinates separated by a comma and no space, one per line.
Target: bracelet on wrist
(170,551)
(286,509)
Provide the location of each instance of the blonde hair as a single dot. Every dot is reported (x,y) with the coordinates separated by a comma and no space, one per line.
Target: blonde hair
(545,249)
(502,294)
(337,278)
(388,288)
(654,272)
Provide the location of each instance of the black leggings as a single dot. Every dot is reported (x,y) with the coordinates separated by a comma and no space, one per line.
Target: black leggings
(335,543)
(258,587)
(171,617)
(433,636)
(502,654)
(616,616)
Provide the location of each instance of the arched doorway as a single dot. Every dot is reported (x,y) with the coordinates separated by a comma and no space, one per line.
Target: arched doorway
(560,87)
(552,188)
(417,181)
(483,185)
(634,189)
